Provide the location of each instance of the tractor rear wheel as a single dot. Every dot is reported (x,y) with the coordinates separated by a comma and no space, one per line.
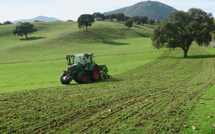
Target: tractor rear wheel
(82,77)
(95,74)
(61,78)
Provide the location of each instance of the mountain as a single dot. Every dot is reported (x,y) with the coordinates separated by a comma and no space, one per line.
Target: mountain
(39,18)
(151,9)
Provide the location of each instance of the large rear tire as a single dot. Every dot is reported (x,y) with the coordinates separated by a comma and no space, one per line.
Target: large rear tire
(61,78)
(95,74)
(82,77)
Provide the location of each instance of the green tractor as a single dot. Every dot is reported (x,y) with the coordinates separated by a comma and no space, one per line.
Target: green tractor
(82,68)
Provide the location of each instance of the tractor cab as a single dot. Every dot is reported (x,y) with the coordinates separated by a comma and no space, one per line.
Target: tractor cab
(79,59)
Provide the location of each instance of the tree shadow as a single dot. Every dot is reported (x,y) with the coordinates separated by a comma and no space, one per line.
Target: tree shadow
(32,38)
(142,35)
(200,56)
(109,42)
(101,39)
(113,42)
(189,57)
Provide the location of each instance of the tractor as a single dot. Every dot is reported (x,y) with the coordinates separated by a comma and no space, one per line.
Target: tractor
(82,69)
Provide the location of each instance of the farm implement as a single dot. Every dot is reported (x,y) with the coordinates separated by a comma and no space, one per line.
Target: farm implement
(82,69)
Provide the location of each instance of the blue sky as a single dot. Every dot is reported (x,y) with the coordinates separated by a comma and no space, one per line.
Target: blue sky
(71,9)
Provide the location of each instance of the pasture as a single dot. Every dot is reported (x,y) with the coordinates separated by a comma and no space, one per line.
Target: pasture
(150,91)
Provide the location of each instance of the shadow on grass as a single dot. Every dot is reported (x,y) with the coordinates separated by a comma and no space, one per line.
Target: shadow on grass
(101,39)
(109,42)
(32,38)
(189,57)
(113,42)
(200,56)
(142,35)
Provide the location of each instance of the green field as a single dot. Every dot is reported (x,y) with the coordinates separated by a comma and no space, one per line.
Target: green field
(150,91)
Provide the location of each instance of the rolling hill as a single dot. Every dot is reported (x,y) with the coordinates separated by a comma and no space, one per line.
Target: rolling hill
(150,91)
(39,18)
(54,40)
(151,9)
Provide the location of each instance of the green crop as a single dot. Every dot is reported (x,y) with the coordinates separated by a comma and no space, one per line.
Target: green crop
(150,91)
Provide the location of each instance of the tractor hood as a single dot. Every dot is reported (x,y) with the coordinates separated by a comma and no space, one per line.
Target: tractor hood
(74,68)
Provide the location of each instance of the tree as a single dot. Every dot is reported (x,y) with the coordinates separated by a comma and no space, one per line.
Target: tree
(139,22)
(126,18)
(7,22)
(98,16)
(120,17)
(213,36)
(152,21)
(85,20)
(112,16)
(24,28)
(129,23)
(107,17)
(135,19)
(182,28)
(143,19)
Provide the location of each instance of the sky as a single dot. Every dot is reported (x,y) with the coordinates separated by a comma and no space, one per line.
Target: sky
(11,10)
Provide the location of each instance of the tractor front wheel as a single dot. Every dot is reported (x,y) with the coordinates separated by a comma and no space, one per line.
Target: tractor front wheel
(82,77)
(61,78)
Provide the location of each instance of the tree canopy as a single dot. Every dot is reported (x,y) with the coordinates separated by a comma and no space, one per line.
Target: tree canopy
(98,16)
(112,16)
(120,17)
(135,18)
(182,28)
(85,20)
(7,22)
(151,21)
(143,19)
(129,23)
(24,28)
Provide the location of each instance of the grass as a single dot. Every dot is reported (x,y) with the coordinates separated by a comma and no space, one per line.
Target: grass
(151,91)
(203,115)
(44,52)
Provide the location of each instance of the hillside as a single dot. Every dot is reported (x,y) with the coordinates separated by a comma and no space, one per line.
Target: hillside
(39,18)
(63,37)
(48,47)
(150,91)
(151,9)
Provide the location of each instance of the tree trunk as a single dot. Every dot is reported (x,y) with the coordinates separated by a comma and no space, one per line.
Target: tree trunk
(26,36)
(185,52)
(86,29)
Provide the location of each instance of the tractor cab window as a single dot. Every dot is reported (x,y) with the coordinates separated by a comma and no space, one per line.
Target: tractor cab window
(79,59)
(88,59)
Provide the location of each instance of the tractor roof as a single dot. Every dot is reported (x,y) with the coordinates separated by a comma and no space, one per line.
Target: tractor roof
(86,54)
(81,55)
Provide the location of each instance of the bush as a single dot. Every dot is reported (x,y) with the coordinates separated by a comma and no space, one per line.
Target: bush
(7,22)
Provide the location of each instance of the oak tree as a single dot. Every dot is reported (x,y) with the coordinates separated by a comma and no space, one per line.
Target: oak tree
(85,20)
(24,28)
(129,23)
(182,28)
